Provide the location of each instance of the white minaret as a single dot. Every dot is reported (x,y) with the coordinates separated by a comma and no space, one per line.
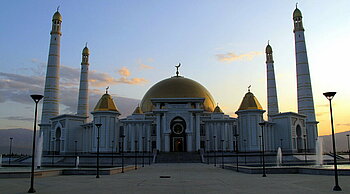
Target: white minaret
(305,98)
(304,89)
(51,92)
(272,101)
(83,100)
(51,98)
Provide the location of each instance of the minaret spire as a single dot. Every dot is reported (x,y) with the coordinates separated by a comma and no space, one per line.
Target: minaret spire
(51,92)
(83,100)
(272,101)
(304,89)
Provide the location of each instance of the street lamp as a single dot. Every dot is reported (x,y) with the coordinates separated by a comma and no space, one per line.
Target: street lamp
(122,151)
(214,150)
(135,154)
(329,96)
(36,99)
(10,153)
(236,136)
(347,136)
(98,125)
(112,153)
(245,151)
(305,149)
(263,148)
(222,154)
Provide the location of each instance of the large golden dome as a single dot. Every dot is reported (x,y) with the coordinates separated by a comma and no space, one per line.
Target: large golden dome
(177,87)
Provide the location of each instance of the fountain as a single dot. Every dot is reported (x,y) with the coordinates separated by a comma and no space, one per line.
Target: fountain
(39,151)
(77,162)
(279,157)
(319,151)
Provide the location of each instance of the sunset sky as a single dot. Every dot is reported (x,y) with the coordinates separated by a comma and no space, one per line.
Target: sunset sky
(134,44)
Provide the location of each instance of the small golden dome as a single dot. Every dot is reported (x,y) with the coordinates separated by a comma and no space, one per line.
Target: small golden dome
(138,110)
(218,109)
(296,13)
(57,16)
(177,87)
(249,102)
(268,49)
(106,103)
(86,51)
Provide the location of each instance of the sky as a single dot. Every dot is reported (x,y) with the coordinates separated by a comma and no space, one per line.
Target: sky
(134,44)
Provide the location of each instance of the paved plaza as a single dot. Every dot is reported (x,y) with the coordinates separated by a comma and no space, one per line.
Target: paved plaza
(184,178)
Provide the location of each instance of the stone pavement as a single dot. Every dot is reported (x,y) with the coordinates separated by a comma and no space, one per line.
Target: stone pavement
(184,178)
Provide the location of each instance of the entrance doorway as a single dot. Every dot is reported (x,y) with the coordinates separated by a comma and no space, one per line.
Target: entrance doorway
(178,135)
(178,144)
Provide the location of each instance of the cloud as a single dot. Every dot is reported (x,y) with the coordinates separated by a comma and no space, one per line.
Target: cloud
(343,124)
(17,118)
(320,114)
(229,57)
(124,72)
(17,88)
(143,66)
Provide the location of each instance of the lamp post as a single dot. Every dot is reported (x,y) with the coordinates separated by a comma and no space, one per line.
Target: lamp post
(53,150)
(329,96)
(222,154)
(347,136)
(135,154)
(122,151)
(36,99)
(98,125)
(149,153)
(208,147)
(143,151)
(236,136)
(10,153)
(305,149)
(245,151)
(214,150)
(262,124)
(112,153)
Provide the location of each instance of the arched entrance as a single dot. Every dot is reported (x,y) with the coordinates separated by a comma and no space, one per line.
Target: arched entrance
(178,135)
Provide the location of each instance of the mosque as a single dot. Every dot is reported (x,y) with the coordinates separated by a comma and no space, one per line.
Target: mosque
(178,114)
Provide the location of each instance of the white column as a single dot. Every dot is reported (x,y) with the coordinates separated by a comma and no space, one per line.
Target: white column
(132,136)
(198,145)
(158,132)
(189,142)
(166,142)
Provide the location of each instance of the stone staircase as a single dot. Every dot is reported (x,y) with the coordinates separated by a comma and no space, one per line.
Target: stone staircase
(178,157)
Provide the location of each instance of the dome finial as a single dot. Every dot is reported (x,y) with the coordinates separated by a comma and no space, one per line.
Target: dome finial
(85,44)
(58,8)
(268,42)
(177,69)
(107,89)
(296,5)
(249,88)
